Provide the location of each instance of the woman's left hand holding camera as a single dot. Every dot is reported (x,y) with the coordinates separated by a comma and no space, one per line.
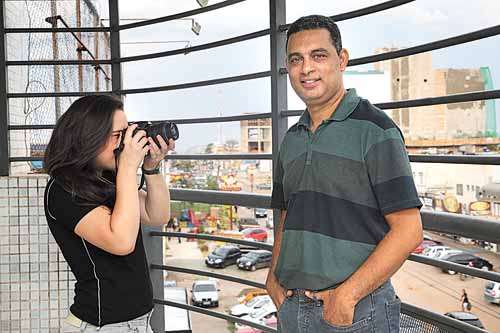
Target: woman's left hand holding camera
(157,154)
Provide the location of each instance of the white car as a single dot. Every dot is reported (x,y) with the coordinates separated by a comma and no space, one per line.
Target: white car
(205,293)
(259,315)
(250,306)
(439,251)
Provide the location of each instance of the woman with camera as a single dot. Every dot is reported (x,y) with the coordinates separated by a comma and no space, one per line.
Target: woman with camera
(94,210)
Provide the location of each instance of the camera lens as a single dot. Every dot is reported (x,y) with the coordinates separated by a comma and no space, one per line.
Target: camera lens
(167,130)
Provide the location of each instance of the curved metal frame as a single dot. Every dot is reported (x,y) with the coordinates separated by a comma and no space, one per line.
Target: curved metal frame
(441,222)
(411,310)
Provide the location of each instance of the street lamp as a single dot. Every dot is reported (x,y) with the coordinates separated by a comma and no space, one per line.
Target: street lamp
(195,27)
(202,3)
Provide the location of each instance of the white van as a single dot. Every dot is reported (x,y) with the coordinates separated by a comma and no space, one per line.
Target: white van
(177,319)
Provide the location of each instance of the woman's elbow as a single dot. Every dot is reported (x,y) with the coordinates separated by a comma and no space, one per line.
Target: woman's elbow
(124,250)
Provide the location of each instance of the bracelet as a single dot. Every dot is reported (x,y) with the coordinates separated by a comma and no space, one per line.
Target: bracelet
(155,171)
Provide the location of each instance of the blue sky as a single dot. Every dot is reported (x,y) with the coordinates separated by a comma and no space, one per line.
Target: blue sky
(412,24)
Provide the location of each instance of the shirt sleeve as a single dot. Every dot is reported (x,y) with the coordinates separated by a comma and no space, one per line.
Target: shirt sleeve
(278,196)
(390,173)
(64,208)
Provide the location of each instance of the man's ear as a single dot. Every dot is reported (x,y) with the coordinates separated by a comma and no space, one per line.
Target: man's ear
(344,59)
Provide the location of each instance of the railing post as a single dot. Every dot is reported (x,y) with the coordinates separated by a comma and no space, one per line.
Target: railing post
(154,253)
(116,70)
(4,103)
(277,13)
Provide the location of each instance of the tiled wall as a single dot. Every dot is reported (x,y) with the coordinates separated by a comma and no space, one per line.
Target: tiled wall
(36,285)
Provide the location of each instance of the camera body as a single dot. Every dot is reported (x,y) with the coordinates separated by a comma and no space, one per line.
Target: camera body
(166,129)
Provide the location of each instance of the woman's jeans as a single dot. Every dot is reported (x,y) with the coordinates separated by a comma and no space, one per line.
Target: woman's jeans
(138,325)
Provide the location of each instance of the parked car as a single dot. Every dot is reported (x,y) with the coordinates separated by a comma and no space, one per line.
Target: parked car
(492,292)
(223,256)
(270,322)
(247,222)
(425,244)
(439,251)
(467,259)
(205,293)
(251,293)
(466,317)
(429,237)
(179,320)
(256,234)
(255,259)
(260,212)
(245,308)
(260,315)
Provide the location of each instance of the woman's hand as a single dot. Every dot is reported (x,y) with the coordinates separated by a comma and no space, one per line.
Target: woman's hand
(157,154)
(134,148)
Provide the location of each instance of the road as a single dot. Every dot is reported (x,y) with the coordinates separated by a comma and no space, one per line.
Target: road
(415,283)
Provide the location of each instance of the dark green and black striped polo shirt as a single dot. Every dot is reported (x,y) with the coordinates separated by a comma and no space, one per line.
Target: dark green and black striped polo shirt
(336,185)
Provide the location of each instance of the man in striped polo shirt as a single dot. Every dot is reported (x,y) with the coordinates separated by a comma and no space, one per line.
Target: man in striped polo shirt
(349,208)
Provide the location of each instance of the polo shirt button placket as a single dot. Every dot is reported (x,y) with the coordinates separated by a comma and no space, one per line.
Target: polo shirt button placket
(310,141)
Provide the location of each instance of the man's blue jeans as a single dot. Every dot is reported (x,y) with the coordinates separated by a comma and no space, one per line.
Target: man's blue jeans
(378,312)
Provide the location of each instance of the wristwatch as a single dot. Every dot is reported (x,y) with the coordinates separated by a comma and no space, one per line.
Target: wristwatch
(154,171)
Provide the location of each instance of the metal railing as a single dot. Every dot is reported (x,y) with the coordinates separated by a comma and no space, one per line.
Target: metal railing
(442,222)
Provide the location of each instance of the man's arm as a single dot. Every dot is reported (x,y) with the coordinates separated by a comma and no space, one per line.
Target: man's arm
(404,236)
(273,287)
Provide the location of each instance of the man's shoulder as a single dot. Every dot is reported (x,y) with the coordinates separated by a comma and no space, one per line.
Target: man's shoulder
(366,111)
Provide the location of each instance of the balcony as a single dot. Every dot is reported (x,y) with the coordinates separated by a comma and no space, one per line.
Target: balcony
(21,216)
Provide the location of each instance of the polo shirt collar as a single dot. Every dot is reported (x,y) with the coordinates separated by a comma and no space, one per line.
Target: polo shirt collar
(347,106)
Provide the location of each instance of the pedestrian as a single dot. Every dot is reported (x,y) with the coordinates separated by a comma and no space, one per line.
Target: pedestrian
(466,305)
(177,228)
(170,225)
(94,210)
(349,207)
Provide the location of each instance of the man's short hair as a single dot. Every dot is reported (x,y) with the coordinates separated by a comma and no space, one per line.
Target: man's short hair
(317,22)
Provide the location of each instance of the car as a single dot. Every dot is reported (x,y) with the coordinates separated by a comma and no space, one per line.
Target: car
(429,237)
(255,259)
(467,259)
(205,293)
(270,322)
(439,251)
(256,234)
(264,186)
(247,222)
(260,212)
(465,317)
(223,256)
(259,315)
(245,308)
(492,292)
(251,293)
(425,244)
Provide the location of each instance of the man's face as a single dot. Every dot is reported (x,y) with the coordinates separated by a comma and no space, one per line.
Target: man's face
(314,66)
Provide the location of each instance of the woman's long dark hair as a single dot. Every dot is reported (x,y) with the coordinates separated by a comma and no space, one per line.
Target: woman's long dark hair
(78,137)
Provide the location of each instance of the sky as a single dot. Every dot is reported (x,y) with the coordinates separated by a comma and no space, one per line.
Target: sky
(412,24)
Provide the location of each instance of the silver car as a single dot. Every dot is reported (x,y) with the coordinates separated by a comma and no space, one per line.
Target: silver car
(492,292)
